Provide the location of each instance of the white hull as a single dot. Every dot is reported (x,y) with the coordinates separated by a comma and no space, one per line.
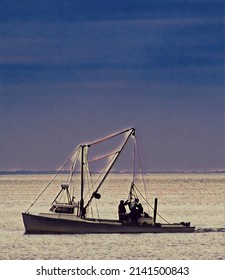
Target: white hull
(70,224)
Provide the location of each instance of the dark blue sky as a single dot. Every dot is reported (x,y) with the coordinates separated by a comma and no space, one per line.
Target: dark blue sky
(71,71)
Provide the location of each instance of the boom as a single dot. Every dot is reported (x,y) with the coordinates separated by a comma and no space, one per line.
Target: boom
(131,132)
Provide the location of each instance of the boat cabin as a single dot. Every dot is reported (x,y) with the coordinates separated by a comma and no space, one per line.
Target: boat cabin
(67,207)
(63,208)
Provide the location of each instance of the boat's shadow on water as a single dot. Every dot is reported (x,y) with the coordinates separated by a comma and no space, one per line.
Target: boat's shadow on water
(202,230)
(197,230)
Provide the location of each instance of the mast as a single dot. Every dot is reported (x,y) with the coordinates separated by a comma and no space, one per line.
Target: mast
(132,132)
(155,210)
(82,214)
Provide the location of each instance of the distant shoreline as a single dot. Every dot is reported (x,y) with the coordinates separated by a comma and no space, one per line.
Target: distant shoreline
(28,172)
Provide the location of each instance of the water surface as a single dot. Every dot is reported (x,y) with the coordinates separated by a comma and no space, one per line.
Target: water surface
(198,198)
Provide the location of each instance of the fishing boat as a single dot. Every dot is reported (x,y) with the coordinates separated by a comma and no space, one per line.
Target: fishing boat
(73,214)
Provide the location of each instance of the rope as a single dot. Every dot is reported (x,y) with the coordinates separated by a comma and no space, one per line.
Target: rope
(102,157)
(88,178)
(51,181)
(134,156)
(151,206)
(105,168)
(145,199)
(90,182)
(110,136)
(77,152)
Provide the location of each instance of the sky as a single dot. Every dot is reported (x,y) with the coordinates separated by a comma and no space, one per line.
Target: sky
(76,70)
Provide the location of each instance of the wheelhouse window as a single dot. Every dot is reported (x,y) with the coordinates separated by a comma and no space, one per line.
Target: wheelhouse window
(68,210)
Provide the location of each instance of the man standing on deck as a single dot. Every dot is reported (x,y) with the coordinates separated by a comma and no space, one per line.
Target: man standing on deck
(122,211)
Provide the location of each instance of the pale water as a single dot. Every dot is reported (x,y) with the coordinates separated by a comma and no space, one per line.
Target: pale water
(198,198)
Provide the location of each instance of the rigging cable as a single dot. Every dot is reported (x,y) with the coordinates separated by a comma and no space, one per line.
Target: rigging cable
(134,157)
(51,180)
(100,177)
(90,181)
(88,175)
(73,170)
(139,159)
(110,136)
(151,206)
(105,169)
(89,191)
(141,169)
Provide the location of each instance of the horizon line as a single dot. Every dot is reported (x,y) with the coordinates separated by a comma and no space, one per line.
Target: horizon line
(24,172)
